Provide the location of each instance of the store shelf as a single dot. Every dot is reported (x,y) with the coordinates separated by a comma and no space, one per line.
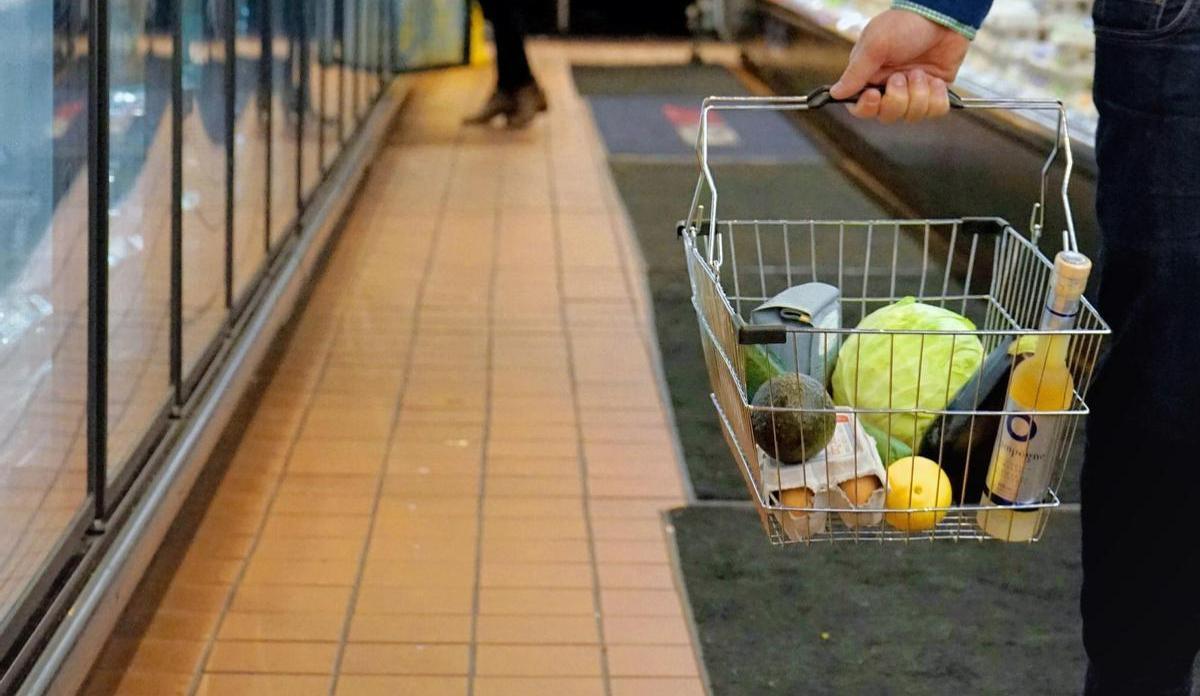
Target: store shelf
(990,69)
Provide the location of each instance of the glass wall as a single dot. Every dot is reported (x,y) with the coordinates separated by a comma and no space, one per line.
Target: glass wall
(152,161)
(43,292)
(139,224)
(204,24)
(252,109)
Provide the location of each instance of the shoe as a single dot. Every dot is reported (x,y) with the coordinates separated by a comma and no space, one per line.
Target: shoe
(530,101)
(500,103)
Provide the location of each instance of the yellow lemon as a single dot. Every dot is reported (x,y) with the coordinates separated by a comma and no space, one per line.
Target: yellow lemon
(914,483)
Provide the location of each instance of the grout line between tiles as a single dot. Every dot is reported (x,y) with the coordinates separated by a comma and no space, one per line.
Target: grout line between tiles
(381,477)
(244,563)
(564,321)
(485,438)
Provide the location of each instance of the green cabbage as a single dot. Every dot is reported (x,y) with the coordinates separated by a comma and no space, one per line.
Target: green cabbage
(943,363)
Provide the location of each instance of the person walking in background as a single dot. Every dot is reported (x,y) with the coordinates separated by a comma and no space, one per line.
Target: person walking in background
(517,96)
(1141,621)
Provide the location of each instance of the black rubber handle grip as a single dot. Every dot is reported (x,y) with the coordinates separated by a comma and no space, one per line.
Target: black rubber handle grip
(820,97)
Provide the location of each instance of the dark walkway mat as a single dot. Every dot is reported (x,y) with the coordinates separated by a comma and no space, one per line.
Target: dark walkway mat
(893,618)
(625,81)
(666,126)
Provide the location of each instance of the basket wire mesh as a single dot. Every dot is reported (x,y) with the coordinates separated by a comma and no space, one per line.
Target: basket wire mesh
(980,268)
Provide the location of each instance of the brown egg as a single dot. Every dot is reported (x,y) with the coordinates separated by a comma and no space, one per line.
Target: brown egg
(797,498)
(859,490)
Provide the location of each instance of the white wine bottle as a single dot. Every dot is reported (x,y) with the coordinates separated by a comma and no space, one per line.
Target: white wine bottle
(1026,445)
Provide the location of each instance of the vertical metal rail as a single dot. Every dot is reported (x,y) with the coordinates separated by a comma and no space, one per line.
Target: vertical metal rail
(176,308)
(354,64)
(230,149)
(97,302)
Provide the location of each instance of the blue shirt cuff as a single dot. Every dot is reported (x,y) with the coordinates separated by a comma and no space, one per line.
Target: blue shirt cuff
(963,16)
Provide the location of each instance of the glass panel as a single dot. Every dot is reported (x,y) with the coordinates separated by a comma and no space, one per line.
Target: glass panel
(329,24)
(204,197)
(311,90)
(250,146)
(349,94)
(285,69)
(43,267)
(429,33)
(139,245)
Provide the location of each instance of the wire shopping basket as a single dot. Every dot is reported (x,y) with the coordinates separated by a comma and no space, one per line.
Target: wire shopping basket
(893,379)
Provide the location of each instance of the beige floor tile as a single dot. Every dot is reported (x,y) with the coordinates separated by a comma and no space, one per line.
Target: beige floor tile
(263,685)
(389,685)
(630,551)
(539,686)
(415,600)
(291,599)
(525,486)
(288,526)
(405,658)
(646,630)
(182,625)
(204,599)
(657,686)
(167,656)
(652,661)
(537,660)
(410,628)
(640,602)
(507,550)
(550,575)
(299,549)
(271,657)
(550,630)
(243,626)
(417,574)
(650,576)
(136,683)
(277,571)
(504,601)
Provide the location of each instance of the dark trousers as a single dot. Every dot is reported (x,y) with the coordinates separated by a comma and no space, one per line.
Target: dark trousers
(508,32)
(1141,477)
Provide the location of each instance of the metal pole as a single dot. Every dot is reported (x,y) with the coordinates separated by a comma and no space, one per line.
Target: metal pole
(97,328)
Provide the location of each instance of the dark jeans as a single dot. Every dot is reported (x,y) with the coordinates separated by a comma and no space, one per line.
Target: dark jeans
(508,32)
(1141,477)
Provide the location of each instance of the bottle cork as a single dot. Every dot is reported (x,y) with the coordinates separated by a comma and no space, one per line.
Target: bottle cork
(1071,271)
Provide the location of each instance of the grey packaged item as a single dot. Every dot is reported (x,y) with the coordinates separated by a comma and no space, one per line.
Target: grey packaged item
(811,306)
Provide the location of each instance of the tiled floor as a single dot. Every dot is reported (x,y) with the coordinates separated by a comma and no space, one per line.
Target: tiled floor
(453,483)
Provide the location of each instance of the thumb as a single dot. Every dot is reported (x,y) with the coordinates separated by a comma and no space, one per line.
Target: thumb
(864,63)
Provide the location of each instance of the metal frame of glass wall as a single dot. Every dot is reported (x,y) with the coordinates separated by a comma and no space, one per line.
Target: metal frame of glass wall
(184,140)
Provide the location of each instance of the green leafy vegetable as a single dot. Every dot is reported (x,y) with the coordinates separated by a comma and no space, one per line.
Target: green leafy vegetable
(905,373)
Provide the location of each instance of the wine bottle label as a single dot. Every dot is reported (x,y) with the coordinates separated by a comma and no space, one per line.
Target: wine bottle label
(1023,459)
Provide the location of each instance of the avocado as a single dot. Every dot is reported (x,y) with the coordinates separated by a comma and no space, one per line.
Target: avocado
(797,434)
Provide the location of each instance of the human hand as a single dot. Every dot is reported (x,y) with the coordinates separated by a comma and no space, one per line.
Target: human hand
(915,56)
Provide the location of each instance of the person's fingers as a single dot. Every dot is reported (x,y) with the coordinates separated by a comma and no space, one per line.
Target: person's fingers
(865,60)
(895,100)
(868,104)
(939,98)
(918,96)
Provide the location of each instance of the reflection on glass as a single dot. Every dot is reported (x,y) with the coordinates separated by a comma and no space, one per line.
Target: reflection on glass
(43,234)
(139,246)
(330,23)
(285,76)
(310,63)
(203,168)
(251,107)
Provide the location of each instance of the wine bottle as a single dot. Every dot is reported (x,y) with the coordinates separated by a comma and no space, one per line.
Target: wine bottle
(1028,442)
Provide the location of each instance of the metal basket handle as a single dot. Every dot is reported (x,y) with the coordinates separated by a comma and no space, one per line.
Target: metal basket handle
(714,244)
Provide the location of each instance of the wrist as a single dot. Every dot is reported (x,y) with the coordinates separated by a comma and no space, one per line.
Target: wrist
(937,17)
